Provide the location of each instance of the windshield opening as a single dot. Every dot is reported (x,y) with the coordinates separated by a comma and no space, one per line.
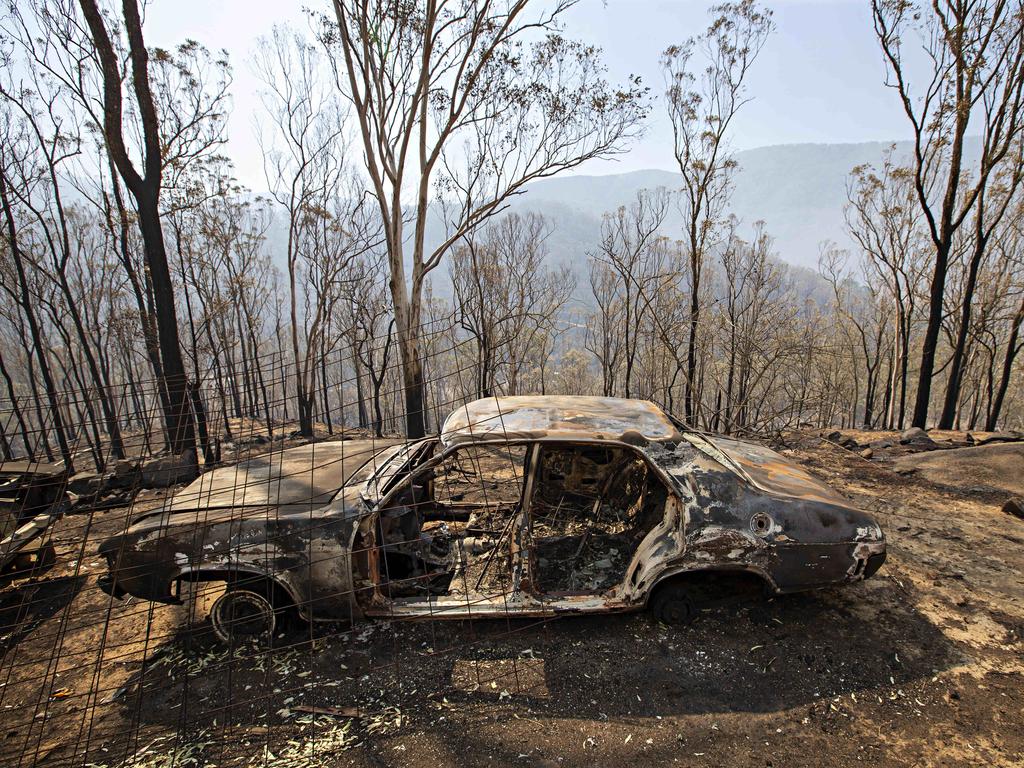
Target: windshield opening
(382,470)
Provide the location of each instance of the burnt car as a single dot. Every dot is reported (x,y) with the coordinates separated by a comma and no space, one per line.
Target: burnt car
(32,499)
(521,506)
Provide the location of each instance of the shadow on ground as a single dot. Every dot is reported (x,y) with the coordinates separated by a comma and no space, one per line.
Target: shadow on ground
(760,657)
(23,607)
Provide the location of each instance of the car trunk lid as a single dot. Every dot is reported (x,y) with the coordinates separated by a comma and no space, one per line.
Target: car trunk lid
(774,473)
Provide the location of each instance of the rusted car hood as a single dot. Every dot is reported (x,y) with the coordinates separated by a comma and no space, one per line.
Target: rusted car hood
(774,473)
(183,523)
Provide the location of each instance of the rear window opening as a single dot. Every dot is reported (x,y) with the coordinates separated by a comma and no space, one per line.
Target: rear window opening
(590,510)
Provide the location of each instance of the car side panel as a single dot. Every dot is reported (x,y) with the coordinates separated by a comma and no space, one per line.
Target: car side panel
(307,554)
(793,543)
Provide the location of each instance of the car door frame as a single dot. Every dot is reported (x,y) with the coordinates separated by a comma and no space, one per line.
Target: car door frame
(443,606)
(667,538)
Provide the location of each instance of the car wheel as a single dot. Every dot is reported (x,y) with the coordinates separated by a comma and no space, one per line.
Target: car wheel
(241,615)
(673,605)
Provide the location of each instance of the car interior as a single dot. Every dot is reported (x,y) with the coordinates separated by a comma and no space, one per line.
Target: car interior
(458,527)
(591,508)
(449,529)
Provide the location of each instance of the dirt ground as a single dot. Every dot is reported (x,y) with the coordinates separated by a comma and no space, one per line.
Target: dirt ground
(922,665)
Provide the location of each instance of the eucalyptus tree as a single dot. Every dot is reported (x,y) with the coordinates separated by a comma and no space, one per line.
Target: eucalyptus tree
(369,328)
(603,331)
(14,154)
(858,307)
(969,81)
(995,201)
(329,225)
(754,310)
(148,115)
(1011,269)
(459,105)
(706,81)
(882,218)
(39,184)
(629,236)
(143,178)
(507,297)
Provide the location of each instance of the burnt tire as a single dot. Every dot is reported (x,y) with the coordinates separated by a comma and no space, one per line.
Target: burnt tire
(673,604)
(243,615)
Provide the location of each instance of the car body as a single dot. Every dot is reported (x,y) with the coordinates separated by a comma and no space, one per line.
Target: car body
(521,506)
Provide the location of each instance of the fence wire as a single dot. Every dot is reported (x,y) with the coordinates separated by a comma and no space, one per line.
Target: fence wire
(90,677)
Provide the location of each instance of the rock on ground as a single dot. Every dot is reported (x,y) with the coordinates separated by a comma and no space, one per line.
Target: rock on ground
(998,465)
(1014,507)
(915,436)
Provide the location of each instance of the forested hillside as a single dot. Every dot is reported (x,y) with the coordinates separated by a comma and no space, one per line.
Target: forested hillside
(150,299)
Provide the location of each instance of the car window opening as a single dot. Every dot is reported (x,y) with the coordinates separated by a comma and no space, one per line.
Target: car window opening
(591,509)
(449,530)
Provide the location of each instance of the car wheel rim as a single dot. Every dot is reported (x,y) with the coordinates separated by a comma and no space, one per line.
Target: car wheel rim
(242,616)
(676,613)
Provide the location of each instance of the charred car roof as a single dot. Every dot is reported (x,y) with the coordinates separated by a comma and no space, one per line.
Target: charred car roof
(539,416)
(535,417)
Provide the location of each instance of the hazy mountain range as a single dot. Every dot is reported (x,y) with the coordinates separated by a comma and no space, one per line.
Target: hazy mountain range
(798,190)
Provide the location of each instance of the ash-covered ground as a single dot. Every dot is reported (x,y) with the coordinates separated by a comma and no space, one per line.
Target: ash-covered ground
(921,665)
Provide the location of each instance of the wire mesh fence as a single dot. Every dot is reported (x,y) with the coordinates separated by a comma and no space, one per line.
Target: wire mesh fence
(254,615)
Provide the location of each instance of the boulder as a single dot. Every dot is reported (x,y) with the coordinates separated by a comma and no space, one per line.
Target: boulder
(994,437)
(124,467)
(867,453)
(125,474)
(87,483)
(915,436)
(169,470)
(1015,507)
(849,442)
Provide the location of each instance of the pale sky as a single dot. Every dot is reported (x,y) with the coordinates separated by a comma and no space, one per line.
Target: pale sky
(819,78)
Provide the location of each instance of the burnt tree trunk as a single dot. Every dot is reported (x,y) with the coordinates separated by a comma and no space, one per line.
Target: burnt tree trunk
(180,424)
(145,188)
(27,306)
(16,408)
(1013,347)
(956,368)
(931,336)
